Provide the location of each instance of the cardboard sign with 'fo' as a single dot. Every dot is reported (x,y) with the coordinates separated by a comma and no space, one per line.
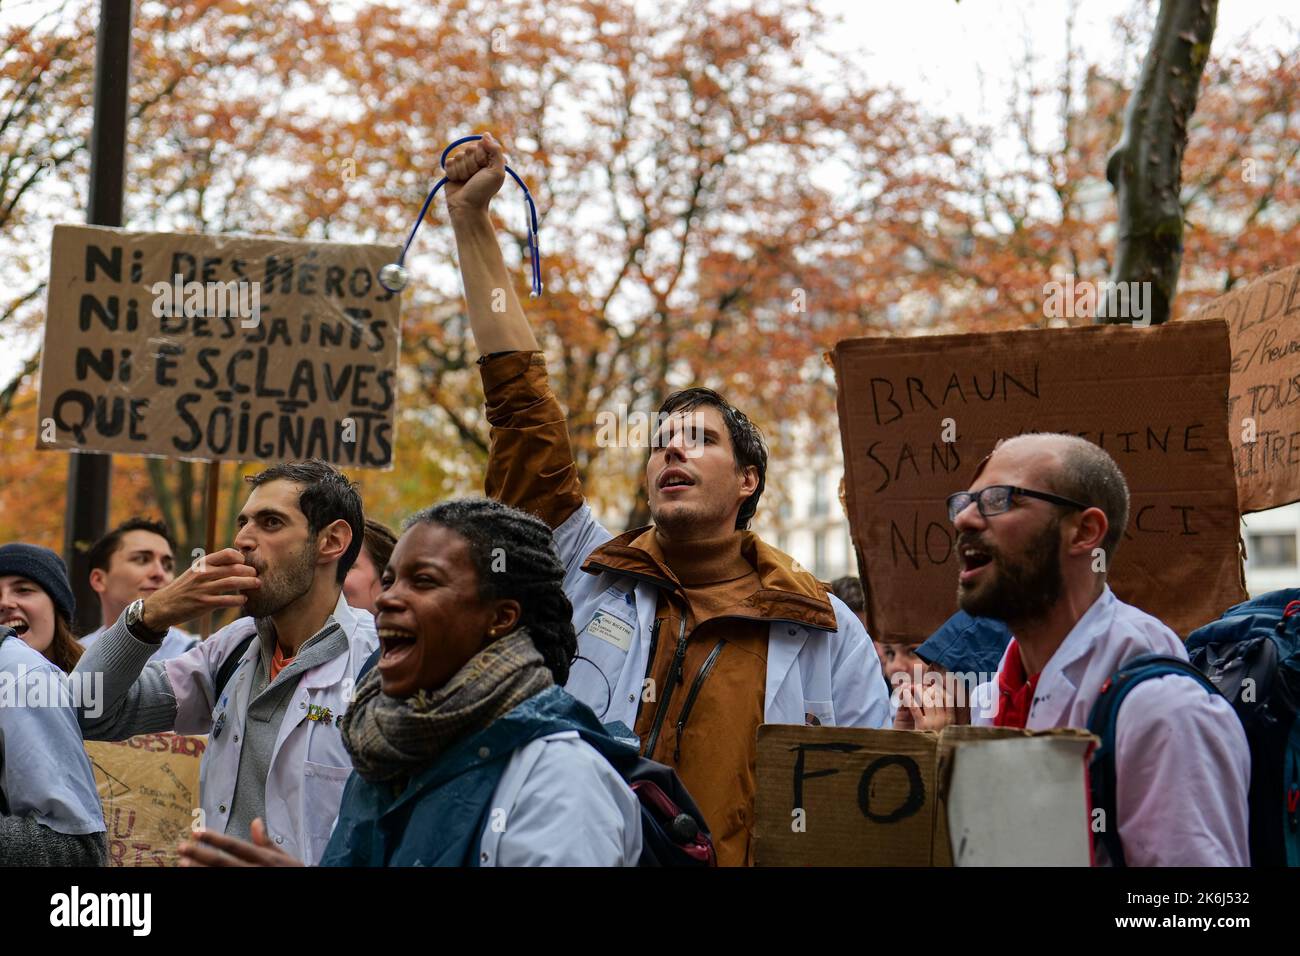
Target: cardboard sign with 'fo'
(844,796)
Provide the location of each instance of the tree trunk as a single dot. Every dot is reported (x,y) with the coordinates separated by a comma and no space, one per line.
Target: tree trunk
(1146,166)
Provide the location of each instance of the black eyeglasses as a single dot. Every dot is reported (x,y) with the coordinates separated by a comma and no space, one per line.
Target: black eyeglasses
(996,500)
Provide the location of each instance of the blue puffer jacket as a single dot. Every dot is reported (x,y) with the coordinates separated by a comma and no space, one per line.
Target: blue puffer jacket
(439,818)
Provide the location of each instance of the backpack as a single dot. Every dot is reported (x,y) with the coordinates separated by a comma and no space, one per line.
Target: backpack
(1252,654)
(673,831)
(1102,724)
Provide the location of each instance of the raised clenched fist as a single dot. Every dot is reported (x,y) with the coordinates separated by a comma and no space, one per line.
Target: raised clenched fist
(475,173)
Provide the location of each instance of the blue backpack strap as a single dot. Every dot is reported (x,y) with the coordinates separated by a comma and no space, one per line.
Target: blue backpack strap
(371,661)
(1102,723)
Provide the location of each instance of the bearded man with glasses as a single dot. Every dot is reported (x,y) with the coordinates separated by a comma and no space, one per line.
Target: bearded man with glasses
(1036,533)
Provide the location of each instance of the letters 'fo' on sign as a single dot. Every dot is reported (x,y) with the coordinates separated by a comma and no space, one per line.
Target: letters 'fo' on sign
(1155,399)
(219,348)
(845,796)
(1264,398)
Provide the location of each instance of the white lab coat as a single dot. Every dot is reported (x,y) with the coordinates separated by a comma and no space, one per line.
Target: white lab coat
(1182,762)
(309,764)
(835,677)
(44,771)
(564,805)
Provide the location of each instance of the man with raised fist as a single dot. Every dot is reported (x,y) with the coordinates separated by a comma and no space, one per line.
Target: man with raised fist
(693,631)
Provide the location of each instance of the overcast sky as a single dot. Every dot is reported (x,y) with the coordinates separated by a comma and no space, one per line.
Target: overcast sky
(936,50)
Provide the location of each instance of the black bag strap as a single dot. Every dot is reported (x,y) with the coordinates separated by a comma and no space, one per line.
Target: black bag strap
(231,664)
(1102,720)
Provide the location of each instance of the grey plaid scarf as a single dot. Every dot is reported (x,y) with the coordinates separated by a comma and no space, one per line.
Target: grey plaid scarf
(391,738)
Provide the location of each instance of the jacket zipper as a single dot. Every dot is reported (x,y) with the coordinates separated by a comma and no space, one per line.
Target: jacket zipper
(674,678)
(650,663)
(690,698)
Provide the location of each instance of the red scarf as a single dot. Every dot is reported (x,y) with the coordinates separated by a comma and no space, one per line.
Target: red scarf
(1016,691)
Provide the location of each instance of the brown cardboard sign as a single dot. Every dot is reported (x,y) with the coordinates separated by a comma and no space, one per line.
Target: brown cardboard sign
(149,788)
(844,796)
(1263,319)
(219,348)
(918,414)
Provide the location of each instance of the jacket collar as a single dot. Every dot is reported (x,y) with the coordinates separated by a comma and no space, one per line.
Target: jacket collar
(786,591)
(1060,678)
(333,652)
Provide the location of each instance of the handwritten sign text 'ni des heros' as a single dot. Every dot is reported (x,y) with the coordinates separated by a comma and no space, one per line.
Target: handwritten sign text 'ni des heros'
(219,347)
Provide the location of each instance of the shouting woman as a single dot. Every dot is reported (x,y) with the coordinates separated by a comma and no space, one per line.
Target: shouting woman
(466,751)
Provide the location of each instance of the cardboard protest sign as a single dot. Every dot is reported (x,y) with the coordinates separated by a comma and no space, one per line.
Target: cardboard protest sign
(1263,319)
(149,788)
(949,740)
(1019,802)
(918,414)
(842,796)
(838,796)
(219,348)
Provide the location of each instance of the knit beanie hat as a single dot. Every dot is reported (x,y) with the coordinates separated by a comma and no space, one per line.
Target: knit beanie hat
(45,568)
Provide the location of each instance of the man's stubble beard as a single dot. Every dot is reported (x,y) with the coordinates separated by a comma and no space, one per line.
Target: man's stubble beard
(684,522)
(1024,591)
(283,586)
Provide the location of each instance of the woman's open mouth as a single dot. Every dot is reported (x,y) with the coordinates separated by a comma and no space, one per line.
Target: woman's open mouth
(394,646)
(18,624)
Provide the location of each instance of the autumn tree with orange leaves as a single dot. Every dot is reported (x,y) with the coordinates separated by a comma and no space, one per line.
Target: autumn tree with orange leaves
(721,200)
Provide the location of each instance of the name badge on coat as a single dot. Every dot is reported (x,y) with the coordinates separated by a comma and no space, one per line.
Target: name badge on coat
(611,629)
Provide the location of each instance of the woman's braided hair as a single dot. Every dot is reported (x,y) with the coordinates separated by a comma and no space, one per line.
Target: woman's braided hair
(514,557)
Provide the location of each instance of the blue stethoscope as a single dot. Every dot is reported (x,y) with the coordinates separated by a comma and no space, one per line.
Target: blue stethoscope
(394,277)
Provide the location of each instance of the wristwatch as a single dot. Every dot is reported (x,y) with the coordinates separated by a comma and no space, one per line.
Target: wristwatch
(135,624)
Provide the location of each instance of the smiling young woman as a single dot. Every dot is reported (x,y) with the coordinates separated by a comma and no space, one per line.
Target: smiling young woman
(36,601)
(47,817)
(466,751)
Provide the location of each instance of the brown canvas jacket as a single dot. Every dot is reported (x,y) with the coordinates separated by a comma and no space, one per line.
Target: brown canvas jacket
(713,704)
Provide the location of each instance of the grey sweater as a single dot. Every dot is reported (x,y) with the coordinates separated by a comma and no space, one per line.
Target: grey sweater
(24,842)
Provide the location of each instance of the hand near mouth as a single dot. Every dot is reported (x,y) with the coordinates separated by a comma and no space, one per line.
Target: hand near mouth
(217,580)
(925,706)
